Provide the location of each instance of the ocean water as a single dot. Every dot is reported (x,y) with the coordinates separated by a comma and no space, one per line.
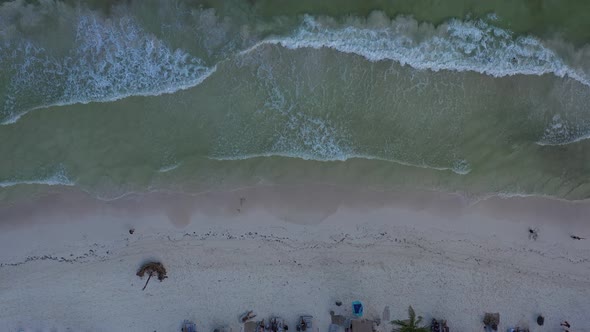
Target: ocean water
(113,97)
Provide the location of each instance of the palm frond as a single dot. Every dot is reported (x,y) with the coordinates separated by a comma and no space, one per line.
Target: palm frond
(411,313)
(398,322)
(410,325)
(418,320)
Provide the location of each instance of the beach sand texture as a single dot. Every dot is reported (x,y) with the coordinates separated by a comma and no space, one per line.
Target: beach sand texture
(68,260)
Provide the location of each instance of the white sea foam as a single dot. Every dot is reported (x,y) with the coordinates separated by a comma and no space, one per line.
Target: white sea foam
(313,137)
(114,59)
(168,168)
(59,178)
(456,45)
(340,158)
(561,132)
(547,141)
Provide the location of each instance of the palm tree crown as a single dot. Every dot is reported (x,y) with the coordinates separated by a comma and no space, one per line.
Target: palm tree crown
(412,324)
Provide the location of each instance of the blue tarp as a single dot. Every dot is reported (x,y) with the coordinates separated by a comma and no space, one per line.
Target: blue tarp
(357,308)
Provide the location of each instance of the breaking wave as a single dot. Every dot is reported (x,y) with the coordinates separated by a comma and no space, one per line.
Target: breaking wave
(563,132)
(59,178)
(113,59)
(460,167)
(473,45)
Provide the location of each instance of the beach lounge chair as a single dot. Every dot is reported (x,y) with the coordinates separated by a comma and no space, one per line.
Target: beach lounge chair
(305,323)
(222,329)
(361,325)
(339,320)
(336,328)
(251,326)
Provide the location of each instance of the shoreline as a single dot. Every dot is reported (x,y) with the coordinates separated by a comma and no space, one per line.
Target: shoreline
(351,196)
(290,250)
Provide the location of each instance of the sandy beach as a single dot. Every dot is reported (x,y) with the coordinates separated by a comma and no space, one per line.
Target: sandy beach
(68,261)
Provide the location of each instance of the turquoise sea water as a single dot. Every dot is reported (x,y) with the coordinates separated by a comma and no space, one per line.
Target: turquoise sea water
(133,96)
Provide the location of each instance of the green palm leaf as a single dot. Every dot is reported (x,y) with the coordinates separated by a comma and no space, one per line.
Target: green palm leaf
(409,325)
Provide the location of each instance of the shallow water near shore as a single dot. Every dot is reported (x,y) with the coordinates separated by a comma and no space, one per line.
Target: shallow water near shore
(114,98)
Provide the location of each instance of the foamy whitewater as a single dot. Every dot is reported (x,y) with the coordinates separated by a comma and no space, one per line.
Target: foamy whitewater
(456,45)
(190,98)
(115,58)
(58,178)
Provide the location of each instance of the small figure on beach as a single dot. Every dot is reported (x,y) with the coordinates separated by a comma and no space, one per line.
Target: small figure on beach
(491,321)
(302,325)
(575,237)
(533,233)
(565,324)
(242,200)
(305,323)
(131,231)
(188,326)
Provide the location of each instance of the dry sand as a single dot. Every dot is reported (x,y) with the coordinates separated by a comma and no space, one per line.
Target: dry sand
(67,261)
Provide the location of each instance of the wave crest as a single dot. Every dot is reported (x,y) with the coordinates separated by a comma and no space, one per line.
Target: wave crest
(472,45)
(58,178)
(113,59)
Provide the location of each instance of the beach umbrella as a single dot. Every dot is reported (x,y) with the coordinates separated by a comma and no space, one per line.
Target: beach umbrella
(152,268)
